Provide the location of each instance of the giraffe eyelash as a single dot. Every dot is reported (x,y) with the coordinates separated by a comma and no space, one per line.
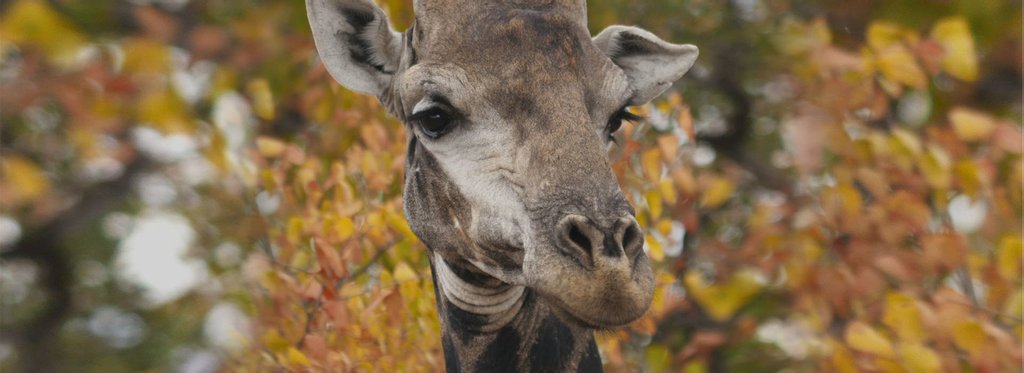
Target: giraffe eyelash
(615,122)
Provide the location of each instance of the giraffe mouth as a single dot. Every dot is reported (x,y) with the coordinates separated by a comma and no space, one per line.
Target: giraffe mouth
(565,313)
(603,299)
(566,316)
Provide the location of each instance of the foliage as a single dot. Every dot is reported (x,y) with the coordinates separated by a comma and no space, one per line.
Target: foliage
(836,186)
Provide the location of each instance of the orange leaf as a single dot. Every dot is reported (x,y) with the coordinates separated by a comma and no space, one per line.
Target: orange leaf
(669,146)
(685,120)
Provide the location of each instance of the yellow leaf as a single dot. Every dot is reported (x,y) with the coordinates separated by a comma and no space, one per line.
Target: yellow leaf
(658,358)
(216,151)
(971,125)
(797,37)
(717,192)
(387,279)
(295,228)
(967,175)
(668,191)
(269,147)
(352,289)
(651,162)
(35,22)
(863,338)
(1015,304)
(935,165)
(1009,255)
(969,336)
(223,81)
(324,107)
(376,228)
(907,141)
(905,148)
(25,180)
(297,358)
(85,141)
(262,98)
(842,359)
(879,144)
(851,200)
(882,34)
(722,301)
(960,60)
(658,300)
(902,316)
(654,249)
(920,359)
(888,366)
(146,56)
(898,65)
(399,224)
(653,198)
(664,227)
(696,366)
(274,342)
(165,111)
(404,273)
(344,228)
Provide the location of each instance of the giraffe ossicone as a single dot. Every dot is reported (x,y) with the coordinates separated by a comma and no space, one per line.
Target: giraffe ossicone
(509,107)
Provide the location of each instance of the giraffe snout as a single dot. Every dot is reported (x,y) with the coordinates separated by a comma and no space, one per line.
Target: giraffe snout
(590,243)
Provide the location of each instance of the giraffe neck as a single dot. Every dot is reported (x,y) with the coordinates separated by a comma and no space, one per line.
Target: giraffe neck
(490,326)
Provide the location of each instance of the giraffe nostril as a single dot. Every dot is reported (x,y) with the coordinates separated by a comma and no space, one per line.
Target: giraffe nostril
(583,240)
(632,239)
(577,237)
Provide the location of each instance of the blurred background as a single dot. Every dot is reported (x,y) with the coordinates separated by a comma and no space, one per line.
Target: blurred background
(835,186)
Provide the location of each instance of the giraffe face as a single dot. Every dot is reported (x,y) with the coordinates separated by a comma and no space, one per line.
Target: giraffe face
(510,113)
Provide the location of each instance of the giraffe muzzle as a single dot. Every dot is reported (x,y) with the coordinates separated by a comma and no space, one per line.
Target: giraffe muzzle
(592,244)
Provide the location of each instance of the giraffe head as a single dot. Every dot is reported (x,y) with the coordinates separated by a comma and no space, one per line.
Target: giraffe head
(510,108)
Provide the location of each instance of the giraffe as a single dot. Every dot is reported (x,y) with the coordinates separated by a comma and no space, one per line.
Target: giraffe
(510,107)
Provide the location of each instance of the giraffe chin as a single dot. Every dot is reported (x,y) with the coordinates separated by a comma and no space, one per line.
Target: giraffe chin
(600,299)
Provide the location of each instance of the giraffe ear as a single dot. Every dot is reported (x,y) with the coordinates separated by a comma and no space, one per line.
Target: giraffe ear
(355,43)
(651,64)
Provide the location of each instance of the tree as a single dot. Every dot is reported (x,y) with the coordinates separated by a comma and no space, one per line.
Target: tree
(836,186)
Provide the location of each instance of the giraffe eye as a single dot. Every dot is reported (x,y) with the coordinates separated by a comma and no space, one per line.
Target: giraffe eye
(433,122)
(615,122)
